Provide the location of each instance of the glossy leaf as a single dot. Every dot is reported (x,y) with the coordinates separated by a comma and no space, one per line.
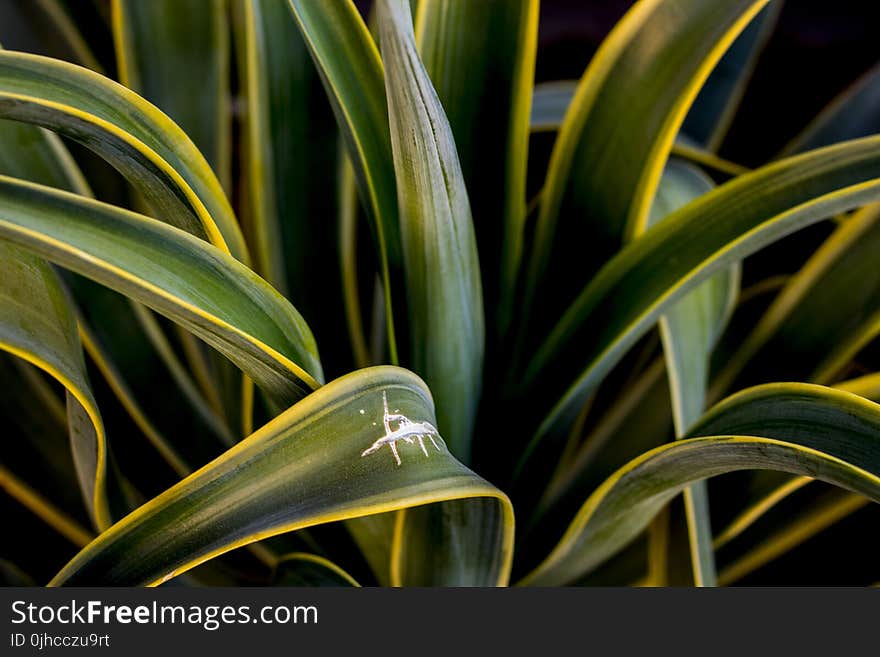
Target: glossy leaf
(304,468)
(162,46)
(486,95)
(618,132)
(132,135)
(197,285)
(444,294)
(37,324)
(686,248)
(689,331)
(797,428)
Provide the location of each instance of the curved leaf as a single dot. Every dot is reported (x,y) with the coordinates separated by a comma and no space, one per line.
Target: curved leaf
(305,467)
(719,228)
(822,317)
(809,430)
(550,102)
(302,569)
(162,46)
(37,324)
(437,235)
(174,273)
(135,137)
(619,130)
(689,331)
(452,544)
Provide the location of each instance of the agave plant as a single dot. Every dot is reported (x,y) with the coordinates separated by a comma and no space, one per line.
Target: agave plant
(580,341)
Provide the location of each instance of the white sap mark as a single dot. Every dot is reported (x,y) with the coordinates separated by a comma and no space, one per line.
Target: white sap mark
(406,430)
(361,411)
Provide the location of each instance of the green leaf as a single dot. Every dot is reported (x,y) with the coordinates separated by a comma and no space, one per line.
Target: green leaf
(351,69)
(44,509)
(618,133)
(550,102)
(374,536)
(37,319)
(37,324)
(276,89)
(305,467)
(692,326)
(162,48)
(453,544)
(39,156)
(123,347)
(132,135)
(200,287)
(486,94)
(715,106)
(440,253)
(797,428)
(716,230)
(822,317)
(867,386)
(302,569)
(346,191)
(689,331)
(854,113)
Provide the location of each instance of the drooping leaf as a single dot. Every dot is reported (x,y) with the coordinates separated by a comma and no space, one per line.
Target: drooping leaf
(37,324)
(617,135)
(162,46)
(797,428)
(142,143)
(305,467)
(822,317)
(444,294)
(686,248)
(174,273)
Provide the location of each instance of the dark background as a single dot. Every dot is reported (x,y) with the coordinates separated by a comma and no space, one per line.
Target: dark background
(816,50)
